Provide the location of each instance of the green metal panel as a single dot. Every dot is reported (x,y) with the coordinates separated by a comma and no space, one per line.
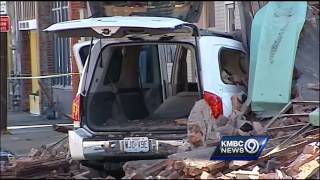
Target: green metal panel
(274,40)
(314,117)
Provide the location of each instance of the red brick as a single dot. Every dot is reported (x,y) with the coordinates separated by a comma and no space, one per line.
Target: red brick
(25,69)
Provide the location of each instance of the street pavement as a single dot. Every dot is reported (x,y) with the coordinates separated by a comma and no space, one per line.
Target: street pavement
(28,131)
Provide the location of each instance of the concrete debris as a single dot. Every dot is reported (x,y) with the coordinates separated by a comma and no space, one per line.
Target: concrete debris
(306,165)
(236,164)
(173,169)
(201,125)
(257,127)
(49,161)
(300,160)
(297,160)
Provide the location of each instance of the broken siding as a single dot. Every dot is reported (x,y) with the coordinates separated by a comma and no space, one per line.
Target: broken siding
(237,16)
(221,16)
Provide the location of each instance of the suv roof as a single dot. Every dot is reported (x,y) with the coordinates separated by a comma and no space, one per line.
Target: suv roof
(206,32)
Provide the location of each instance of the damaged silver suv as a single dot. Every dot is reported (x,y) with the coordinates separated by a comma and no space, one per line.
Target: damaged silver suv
(140,75)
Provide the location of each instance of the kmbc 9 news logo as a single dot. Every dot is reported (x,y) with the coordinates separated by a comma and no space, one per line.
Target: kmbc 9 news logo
(240,148)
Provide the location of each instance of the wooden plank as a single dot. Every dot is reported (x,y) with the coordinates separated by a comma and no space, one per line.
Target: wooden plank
(287,127)
(193,171)
(307,102)
(39,167)
(173,175)
(308,170)
(206,175)
(289,139)
(166,172)
(288,115)
(236,164)
(214,166)
(309,153)
(284,109)
(286,136)
(156,168)
(194,167)
(242,174)
(279,152)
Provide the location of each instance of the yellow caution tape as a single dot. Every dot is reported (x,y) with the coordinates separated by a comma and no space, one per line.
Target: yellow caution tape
(43,77)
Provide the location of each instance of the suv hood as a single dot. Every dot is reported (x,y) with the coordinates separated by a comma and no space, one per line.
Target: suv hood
(123,26)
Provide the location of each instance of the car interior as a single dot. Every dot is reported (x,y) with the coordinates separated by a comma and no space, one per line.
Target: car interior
(234,67)
(129,84)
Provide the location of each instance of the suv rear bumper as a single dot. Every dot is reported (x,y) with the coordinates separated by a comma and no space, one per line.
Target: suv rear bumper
(83,147)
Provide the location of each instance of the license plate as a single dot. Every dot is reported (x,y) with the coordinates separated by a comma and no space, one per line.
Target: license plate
(136,144)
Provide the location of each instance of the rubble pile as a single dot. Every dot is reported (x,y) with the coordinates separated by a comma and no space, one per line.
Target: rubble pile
(291,153)
(49,161)
(298,161)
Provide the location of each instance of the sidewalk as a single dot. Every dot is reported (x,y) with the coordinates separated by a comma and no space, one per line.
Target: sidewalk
(27,119)
(25,134)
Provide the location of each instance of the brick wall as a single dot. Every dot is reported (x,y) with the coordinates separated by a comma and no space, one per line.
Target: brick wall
(74,13)
(26,85)
(45,50)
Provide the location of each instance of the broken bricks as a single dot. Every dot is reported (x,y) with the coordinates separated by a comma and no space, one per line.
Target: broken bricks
(274,175)
(52,161)
(293,162)
(201,125)
(310,152)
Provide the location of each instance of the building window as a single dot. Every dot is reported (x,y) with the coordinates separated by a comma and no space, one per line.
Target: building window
(229,20)
(62,54)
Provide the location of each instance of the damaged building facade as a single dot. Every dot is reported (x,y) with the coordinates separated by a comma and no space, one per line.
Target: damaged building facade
(37,53)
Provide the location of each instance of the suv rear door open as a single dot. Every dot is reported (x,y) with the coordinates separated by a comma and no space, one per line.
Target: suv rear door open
(139,38)
(135,27)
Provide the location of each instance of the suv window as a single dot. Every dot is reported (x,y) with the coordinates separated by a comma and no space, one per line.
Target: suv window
(191,68)
(114,69)
(127,85)
(166,54)
(147,60)
(186,72)
(233,66)
(83,52)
